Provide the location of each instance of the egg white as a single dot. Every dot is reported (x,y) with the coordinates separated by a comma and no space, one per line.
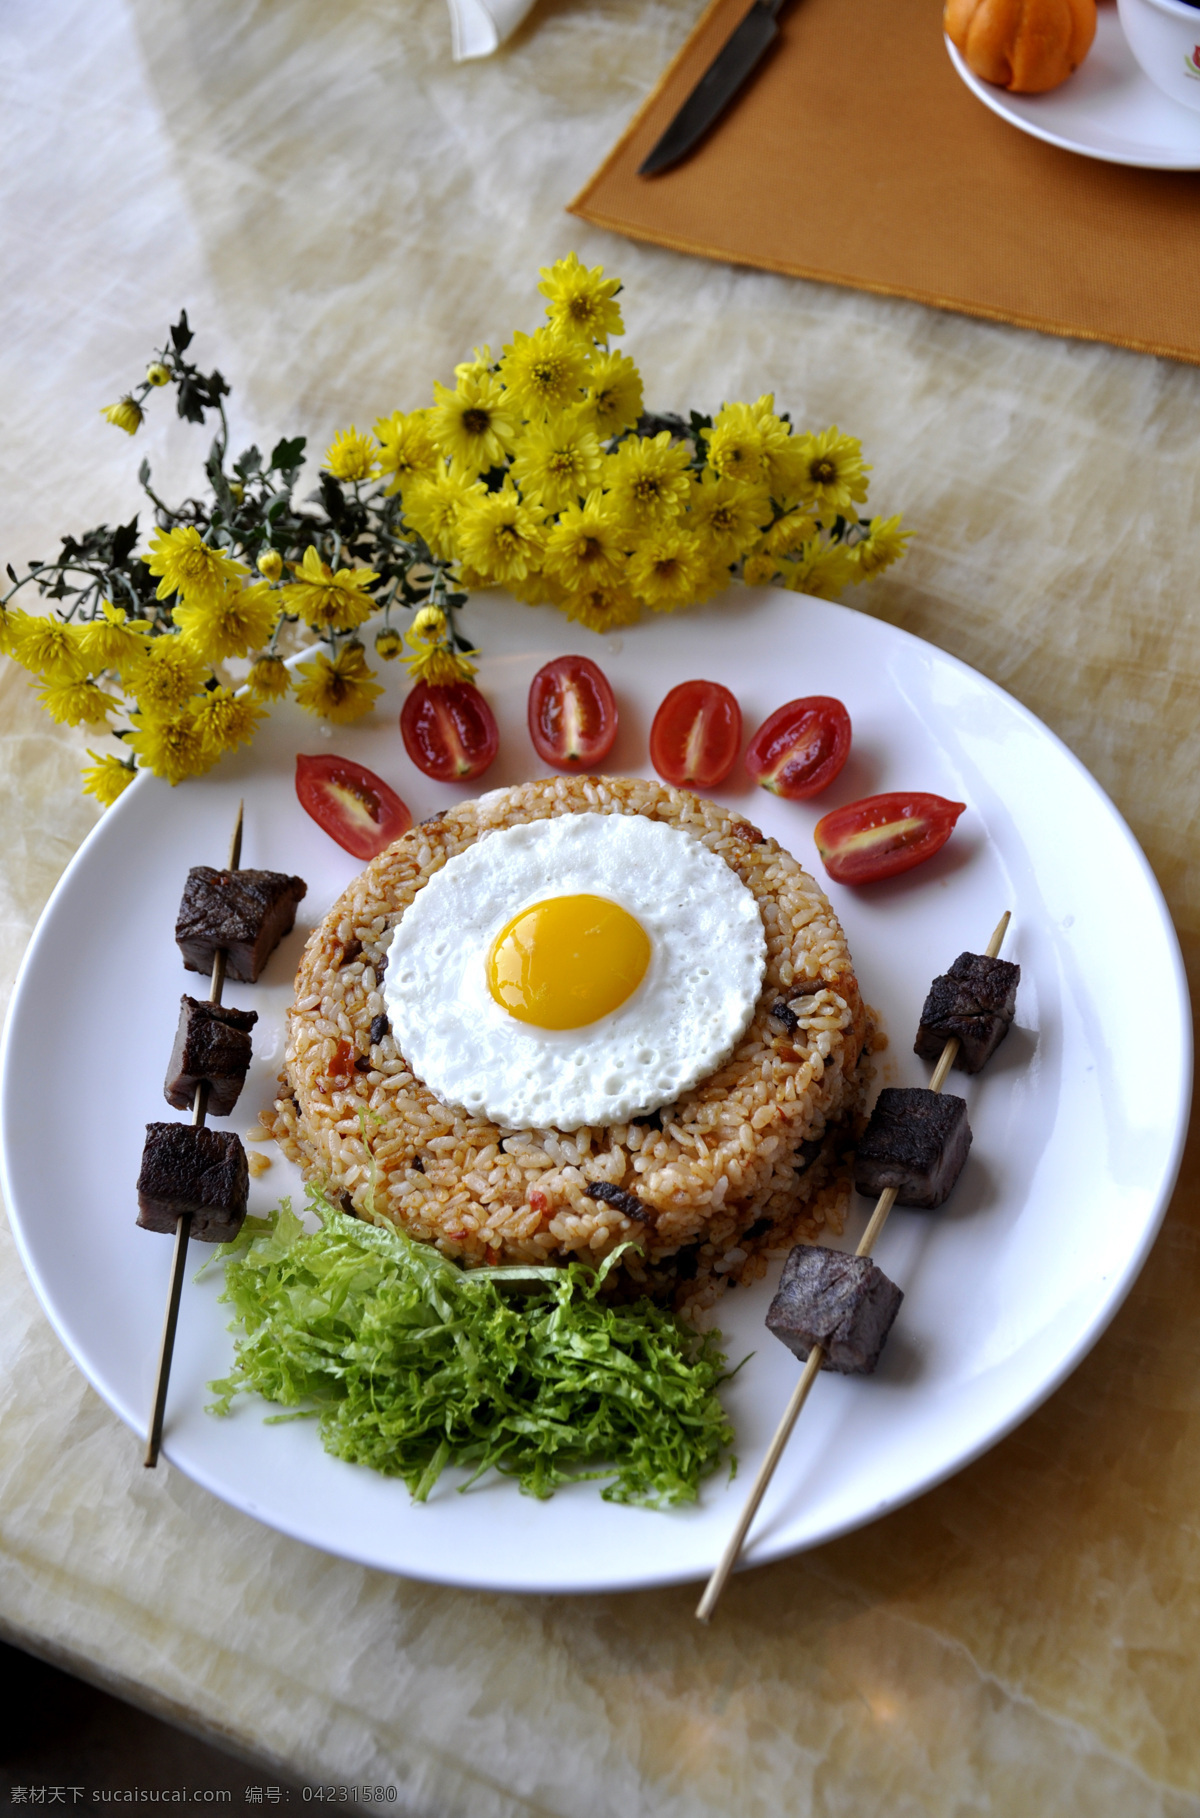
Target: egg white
(708,956)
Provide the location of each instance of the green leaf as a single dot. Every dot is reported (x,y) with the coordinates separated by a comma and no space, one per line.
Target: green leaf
(413,1364)
(218,482)
(181,334)
(288,453)
(124,538)
(190,400)
(333,499)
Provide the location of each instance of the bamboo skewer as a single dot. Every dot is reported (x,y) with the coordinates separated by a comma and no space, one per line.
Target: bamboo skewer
(183,1223)
(812,1363)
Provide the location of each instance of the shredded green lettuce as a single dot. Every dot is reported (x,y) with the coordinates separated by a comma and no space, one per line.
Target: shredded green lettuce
(411,1364)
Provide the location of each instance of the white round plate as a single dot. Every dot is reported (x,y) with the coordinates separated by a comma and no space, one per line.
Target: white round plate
(1108,109)
(1077,1136)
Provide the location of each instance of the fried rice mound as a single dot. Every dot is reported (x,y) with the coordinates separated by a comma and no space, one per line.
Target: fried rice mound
(743,1166)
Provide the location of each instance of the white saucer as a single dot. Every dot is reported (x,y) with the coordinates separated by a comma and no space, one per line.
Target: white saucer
(1109,109)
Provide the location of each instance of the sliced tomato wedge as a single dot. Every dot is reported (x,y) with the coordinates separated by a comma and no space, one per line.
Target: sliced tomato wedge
(696,735)
(801,748)
(449,731)
(355,807)
(882,835)
(572,713)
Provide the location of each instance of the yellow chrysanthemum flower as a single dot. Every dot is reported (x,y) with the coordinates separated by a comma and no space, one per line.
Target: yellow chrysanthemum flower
(340,689)
(170,746)
(47,647)
(107,778)
(558,462)
(164,677)
(543,371)
(821,569)
(434,658)
(500,535)
(717,576)
(127,414)
(270,564)
(225,720)
(614,393)
(432,507)
(586,549)
(8,622)
(406,450)
(351,456)
(112,641)
(240,621)
(77,703)
(668,570)
(476,368)
(758,570)
(602,608)
(474,425)
(189,566)
(269,677)
(746,441)
(790,532)
(883,544)
(388,644)
(727,515)
(647,480)
(537,589)
(581,301)
(324,599)
(830,473)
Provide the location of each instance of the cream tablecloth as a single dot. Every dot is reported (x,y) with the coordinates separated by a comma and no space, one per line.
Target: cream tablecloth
(344,213)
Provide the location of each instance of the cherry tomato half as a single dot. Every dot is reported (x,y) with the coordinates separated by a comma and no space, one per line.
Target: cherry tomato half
(883,835)
(696,735)
(355,807)
(572,713)
(449,731)
(801,748)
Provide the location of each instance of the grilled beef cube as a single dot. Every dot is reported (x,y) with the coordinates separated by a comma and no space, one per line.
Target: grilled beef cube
(975,1000)
(203,1172)
(246,912)
(917,1142)
(212,1044)
(843,1303)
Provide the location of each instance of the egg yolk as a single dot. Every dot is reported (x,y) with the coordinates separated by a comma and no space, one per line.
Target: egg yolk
(567,961)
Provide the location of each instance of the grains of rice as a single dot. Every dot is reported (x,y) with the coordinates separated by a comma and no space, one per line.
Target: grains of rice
(742,1167)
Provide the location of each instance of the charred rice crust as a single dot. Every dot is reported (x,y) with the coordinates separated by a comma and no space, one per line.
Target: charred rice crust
(744,1165)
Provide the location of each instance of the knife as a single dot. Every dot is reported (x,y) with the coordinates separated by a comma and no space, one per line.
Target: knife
(737,58)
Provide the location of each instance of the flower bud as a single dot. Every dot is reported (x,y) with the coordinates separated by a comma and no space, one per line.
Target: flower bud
(269,677)
(158,374)
(388,643)
(270,564)
(237,491)
(428,627)
(126,415)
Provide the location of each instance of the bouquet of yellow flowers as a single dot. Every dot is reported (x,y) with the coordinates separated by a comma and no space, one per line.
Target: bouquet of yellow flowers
(539,472)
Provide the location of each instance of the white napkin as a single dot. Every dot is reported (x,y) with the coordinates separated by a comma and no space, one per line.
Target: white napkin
(478,27)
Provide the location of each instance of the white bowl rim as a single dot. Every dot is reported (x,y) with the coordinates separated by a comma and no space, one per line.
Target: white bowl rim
(1175,9)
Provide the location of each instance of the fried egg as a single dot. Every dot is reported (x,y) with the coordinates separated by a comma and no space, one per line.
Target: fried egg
(581,970)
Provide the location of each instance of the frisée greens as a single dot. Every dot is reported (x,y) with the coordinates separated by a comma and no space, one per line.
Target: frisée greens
(411,1364)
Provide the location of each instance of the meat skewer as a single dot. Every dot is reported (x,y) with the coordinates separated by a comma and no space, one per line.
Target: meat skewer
(816,1355)
(183,1223)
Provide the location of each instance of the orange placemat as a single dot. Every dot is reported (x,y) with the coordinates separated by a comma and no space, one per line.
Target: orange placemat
(855,155)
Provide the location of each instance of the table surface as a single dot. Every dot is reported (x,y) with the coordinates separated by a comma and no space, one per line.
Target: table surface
(345,213)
